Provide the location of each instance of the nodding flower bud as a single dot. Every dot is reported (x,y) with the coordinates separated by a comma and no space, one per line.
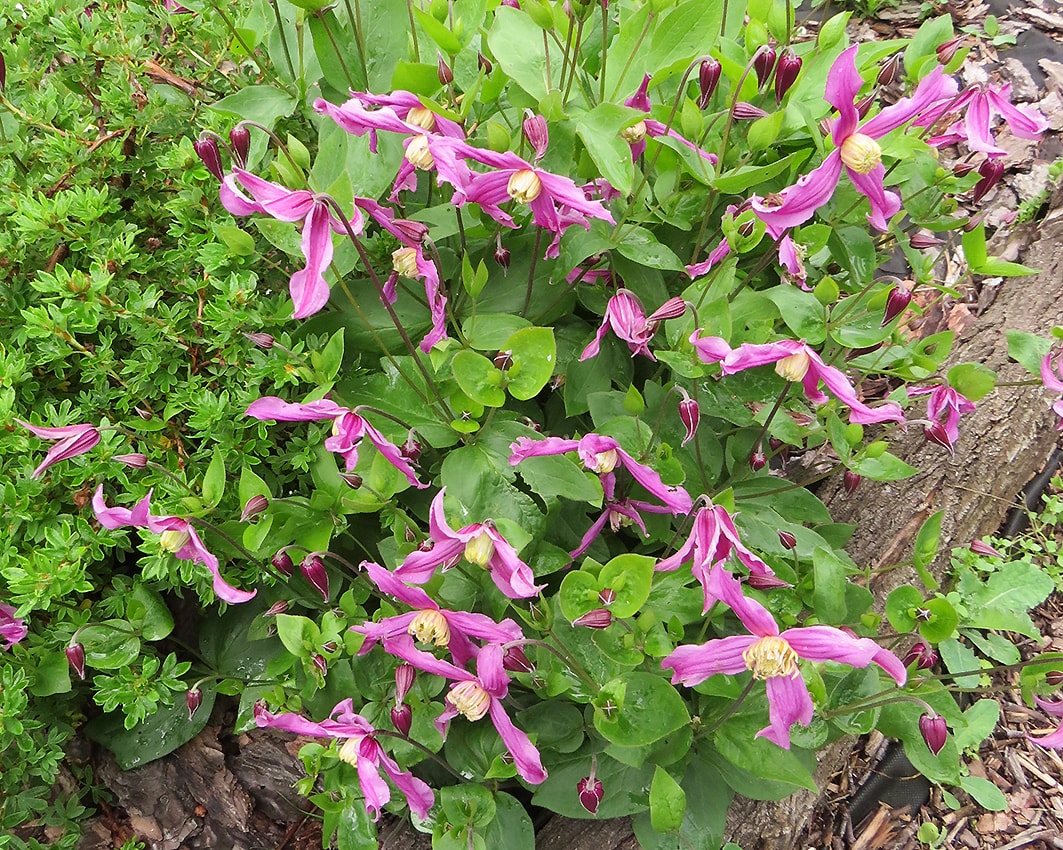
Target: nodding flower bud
(75,654)
(863,106)
(591,791)
(261,340)
(192,699)
(947,50)
(787,540)
(443,70)
(351,479)
(207,150)
(411,448)
(484,64)
(922,655)
(313,569)
(690,416)
(320,663)
(402,718)
(935,433)
(934,731)
(135,461)
(278,607)
(1054,678)
(921,240)
(607,596)
(673,308)
(515,661)
(764,64)
(962,169)
(991,170)
(851,481)
(758,460)
(896,303)
(282,563)
(974,222)
(980,547)
(764,582)
(240,139)
(503,360)
(786,73)
(502,256)
(253,507)
(536,132)
(404,676)
(708,79)
(599,618)
(889,71)
(747,111)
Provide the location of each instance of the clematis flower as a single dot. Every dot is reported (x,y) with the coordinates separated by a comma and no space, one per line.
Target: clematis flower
(12,628)
(71,441)
(480,544)
(1052,379)
(348,430)
(636,134)
(400,112)
(176,535)
(601,454)
(624,314)
(856,149)
(1055,709)
(982,102)
(477,695)
(796,361)
(944,408)
(309,290)
(773,657)
(430,623)
(713,539)
(790,253)
(618,513)
(361,750)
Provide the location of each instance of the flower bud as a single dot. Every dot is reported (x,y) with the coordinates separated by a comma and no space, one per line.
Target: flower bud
(935,433)
(513,4)
(253,507)
(779,448)
(443,70)
(278,607)
(351,479)
(411,448)
(690,415)
(240,139)
(673,308)
(192,699)
(974,222)
(282,563)
(934,731)
(320,663)
(261,340)
(1054,678)
(763,64)
(402,718)
(607,596)
(515,661)
(980,547)
(502,256)
(412,231)
(947,50)
(747,111)
(991,170)
(590,792)
(862,106)
(536,132)
(708,79)
(851,481)
(404,676)
(503,360)
(896,303)
(134,461)
(787,540)
(313,569)
(922,655)
(764,582)
(207,150)
(962,169)
(786,73)
(758,460)
(75,654)
(889,71)
(921,240)
(484,64)
(599,618)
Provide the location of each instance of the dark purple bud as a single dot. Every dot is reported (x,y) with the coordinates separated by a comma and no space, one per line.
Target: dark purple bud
(896,303)
(513,4)
(746,228)
(313,569)
(599,618)
(515,661)
(351,479)
(278,607)
(413,232)
(922,655)
(240,139)
(787,540)
(851,481)
(590,792)
(411,448)
(192,699)
(890,70)
(786,73)
(261,340)
(207,150)
(484,64)
(329,646)
(282,563)
(443,71)
(935,433)
(690,416)
(503,360)
(758,460)
(607,596)
(536,132)
(75,654)
(763,64)
(502,256)
(779,448)
(934,731)
(962,169)
(765,582)
(3,72)
(991,170)
(974,222)
(1054,678)
(402,718)
(404,676)
(747,111)
(135,460)
(922,240)
(254,506)
(320,663)
(708,79)
(946,52)
(980,547)
(863,106)
(673,308)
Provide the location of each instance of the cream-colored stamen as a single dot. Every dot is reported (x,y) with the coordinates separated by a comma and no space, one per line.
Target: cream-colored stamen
(524,186)
(634,134)
(793,368)
(480,550)
(421,117)
(469,699)
(771,656)
(418,153)
(349,751)
(404,262)
(861,153)
(430,627)
(174,541)
(605,461)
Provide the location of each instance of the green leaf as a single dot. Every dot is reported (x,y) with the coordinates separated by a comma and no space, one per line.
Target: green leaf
(646,708)
(920,52)
(517,43)
(1028,350)
(985,793)
(300,635)
(558,475)
(331,357)
(926,548)
(478,378)
(630,577)
(942,622)
(488,331)
(763,132)
(980,719)
(959,658)
(828,593)
(901,605)
(251,485)
(534,353)
(600,131)
(512,826)
(736,182)
(641,246)
(355,829)
(737,742)
(1006,597)
(109,645)
(467,803)
(52,675)
(801,312)
(214,479)
(668,803)
(447,41)
(885,467)
(578,594)
(264,104)
(239,242)
(146,610)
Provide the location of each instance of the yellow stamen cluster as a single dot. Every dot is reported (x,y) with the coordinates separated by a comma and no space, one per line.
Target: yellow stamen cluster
(430,627)
(404,262)
(480,550)
(469,699)
(174,541)
(349,751)
(524,186)
(634,134)
(421,117)
(418,153)
(771,656)
(605,461)
(793,368)
(861,153)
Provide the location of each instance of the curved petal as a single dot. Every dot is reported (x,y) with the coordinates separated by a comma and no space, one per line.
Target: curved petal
(674,496)
(1050,706)
(419,567)
(375,790)
(309,290)
(1024,122)
(835,381)
(826,643)
(934,89)
(884,204)
(753,615)
(418,795)
(976,123)
(527,447)
(396,588)
(482,627)
(525,756)
(393,455)
(843,85)
(272,409)
(694,664)
(788,703)
(801,200)
(117,517)
(1053,740)
(275,200)
(512,576)
(750,355)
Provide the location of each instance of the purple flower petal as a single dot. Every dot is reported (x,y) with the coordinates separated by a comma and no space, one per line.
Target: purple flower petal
(788,703)
(692,665)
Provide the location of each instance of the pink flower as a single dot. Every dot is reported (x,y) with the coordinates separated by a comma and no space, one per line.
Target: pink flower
(479,543)
(1055,709)
(176,535)
(72,440)
(430,623)
(477,695)
(1052,378)
(618,513)
(361,750)
(624,314)
(636,134)
(855,149)
(983,102)
(348,430)
(774,656)
(12,628)
(399,112)
(601,454)
(944,407)
(796,361)
(310,291)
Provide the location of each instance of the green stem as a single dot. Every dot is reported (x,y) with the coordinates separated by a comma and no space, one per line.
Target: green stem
(413,32)
(531,271)
(731,710)
(322,15)
(359,36)
(283,37)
